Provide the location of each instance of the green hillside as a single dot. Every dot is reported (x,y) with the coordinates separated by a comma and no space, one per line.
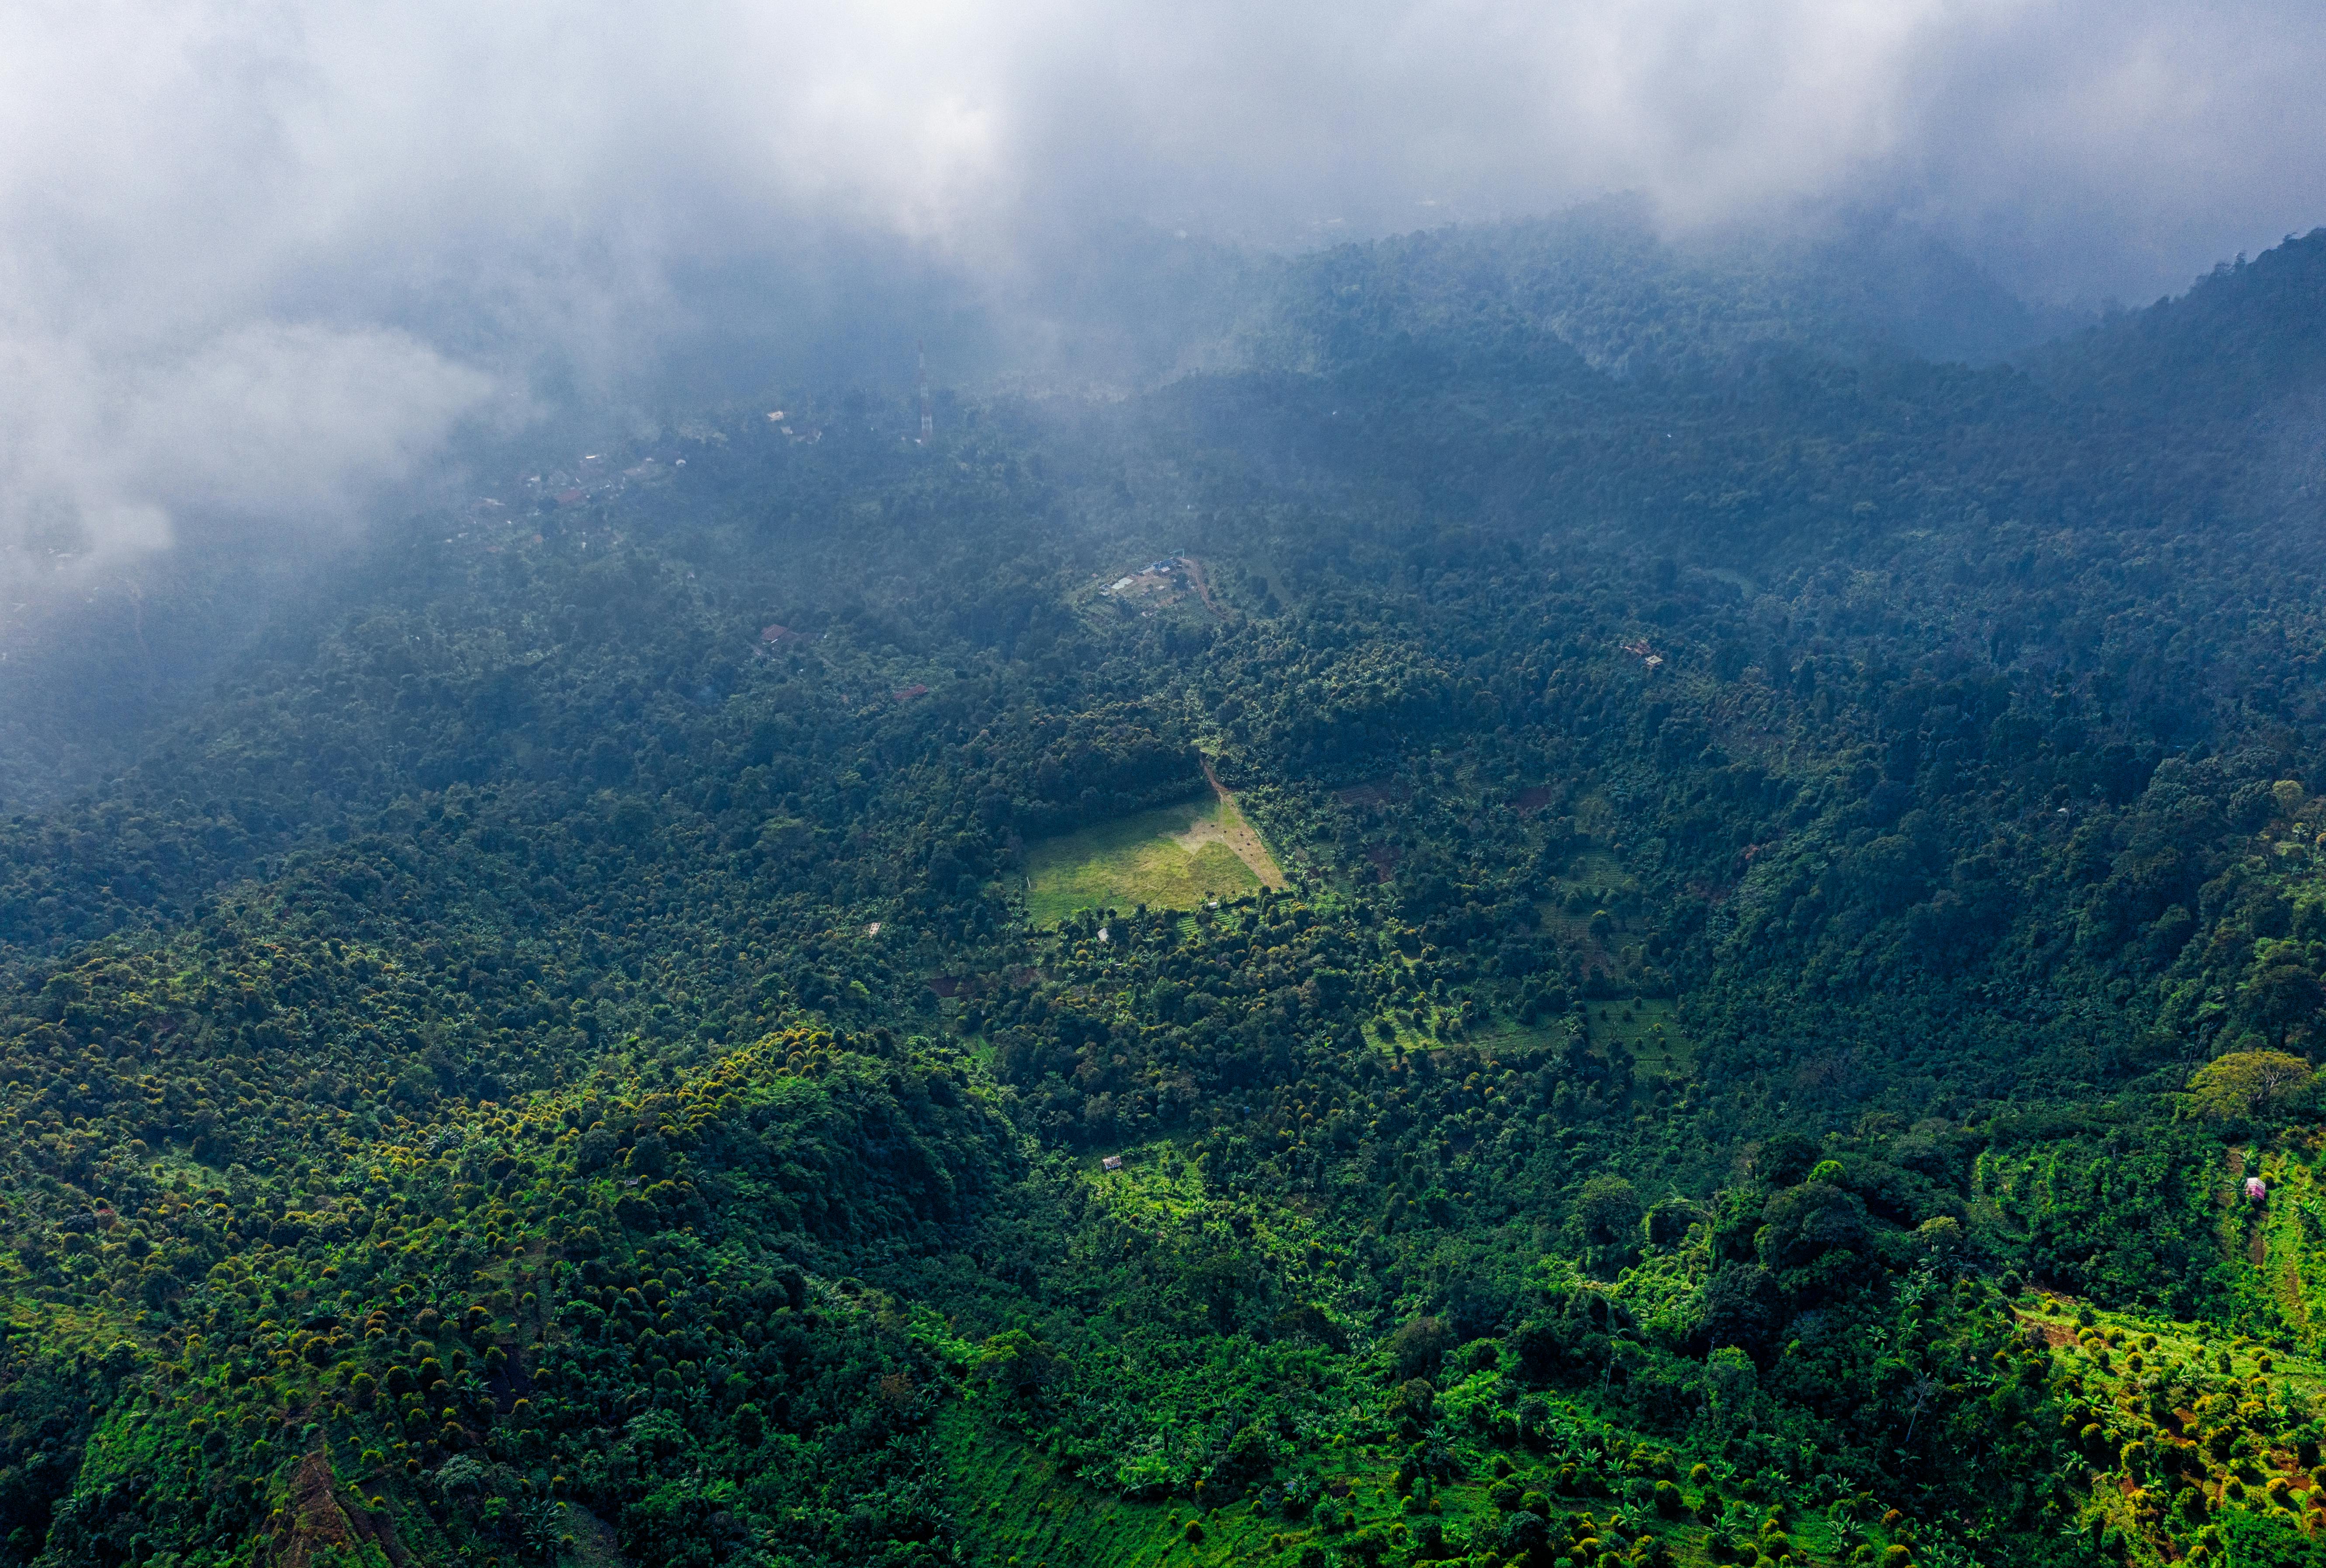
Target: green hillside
(1784,902)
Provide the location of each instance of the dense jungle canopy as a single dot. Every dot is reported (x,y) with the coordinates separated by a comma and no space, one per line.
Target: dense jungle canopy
(1779,1027)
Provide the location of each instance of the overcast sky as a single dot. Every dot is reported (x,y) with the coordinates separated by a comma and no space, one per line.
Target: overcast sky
(257,256)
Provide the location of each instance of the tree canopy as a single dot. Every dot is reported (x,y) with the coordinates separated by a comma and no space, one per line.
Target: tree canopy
(1801,907)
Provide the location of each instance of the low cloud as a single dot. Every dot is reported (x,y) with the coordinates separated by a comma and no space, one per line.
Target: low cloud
(263,423)
(261,259)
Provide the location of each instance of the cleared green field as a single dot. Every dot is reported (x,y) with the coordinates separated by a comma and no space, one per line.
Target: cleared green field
(1172,858)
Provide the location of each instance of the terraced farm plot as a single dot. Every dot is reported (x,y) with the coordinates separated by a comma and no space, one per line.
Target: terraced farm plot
(1172,858)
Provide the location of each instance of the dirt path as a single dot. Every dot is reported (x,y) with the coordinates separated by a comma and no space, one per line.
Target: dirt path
(1204,592)
(319,1522)
(1240,836)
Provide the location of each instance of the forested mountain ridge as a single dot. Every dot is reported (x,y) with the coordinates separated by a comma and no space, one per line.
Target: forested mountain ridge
(2247,335)
(1803,920)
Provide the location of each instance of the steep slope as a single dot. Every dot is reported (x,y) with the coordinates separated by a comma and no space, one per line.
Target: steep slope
(2248,334)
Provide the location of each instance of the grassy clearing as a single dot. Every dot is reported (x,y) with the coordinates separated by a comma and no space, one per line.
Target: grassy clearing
(1409,1036)
(1644,1028)
(1238,834)
(1597,869)
(1507,1037)
(1172,858)
(594,1544)
(1503,1036)
(1600,881)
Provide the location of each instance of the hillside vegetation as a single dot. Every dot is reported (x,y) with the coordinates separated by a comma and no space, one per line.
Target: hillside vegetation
(700,1022)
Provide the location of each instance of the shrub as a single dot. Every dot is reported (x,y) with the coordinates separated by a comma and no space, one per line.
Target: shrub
(1523,1534)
